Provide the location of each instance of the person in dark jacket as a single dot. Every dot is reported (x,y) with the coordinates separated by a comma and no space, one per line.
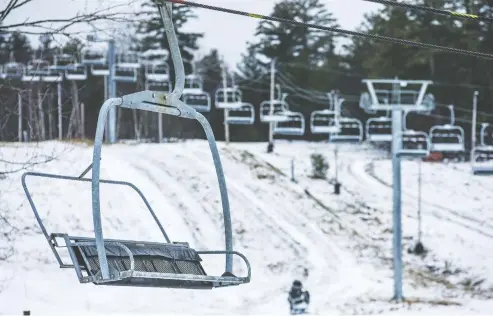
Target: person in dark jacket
(298,298)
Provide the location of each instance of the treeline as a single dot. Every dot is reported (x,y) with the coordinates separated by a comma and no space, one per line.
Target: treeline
(308,65)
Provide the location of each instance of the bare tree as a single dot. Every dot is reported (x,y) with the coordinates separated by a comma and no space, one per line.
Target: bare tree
(61,26)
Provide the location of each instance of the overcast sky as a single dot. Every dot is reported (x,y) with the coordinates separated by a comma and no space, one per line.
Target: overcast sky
(228,33)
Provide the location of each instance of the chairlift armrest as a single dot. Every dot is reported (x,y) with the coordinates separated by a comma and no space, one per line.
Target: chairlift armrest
(125,248)
(221,252)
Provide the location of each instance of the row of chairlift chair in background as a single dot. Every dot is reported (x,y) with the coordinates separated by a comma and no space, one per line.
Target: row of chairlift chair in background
(447,138)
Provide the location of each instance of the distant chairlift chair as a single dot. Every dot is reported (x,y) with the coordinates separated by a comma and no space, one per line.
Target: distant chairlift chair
(136,263)
(275,110)
(194,95)
(126,67)
(482,155)
(379,129)
(414,144)
(39,70)
(294,125)
(13,70)
(228,98)
(351,129)
(447,138)
(324,122)
(96,60)
(244,115)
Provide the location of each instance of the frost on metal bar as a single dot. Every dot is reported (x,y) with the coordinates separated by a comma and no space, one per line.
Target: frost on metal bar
(136,263)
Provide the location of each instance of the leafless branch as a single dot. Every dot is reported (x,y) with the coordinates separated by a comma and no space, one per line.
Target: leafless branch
(61,26)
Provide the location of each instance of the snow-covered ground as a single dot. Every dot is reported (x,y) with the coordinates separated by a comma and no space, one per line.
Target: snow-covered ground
(339,246)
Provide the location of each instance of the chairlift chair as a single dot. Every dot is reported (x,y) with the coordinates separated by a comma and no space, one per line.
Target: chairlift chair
(379,129)
(482,160)
(294,125)
(13,70)
(97,61)
(324,122)
(351,131)
(482,155)
(76,72)
(126,67)
(150,56)
(62,61)
(244,115)
(448,137)
(39,70)
(414,144)
(193,84)
(228,98)
(136,263)
(200,101)
(163,86)
(278,113)
(157,72)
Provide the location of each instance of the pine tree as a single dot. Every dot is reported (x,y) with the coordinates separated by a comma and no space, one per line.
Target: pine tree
(152,35)
(287,42)
(21,47)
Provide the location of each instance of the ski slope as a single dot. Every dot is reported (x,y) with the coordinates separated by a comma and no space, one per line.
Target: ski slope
(338,246)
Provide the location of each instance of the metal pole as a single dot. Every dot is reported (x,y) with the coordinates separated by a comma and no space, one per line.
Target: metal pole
(396,197)
(59,103)
(272,97)
(111,91)
(106,97)
(292,170)
(19,126)
(82,121)
(474,118)
(419,200)
(226,111)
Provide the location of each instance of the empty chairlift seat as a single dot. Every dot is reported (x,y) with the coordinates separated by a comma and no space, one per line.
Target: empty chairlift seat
(157,72)
(324,122)
(228,98)
(447,139)
(351,131)
(137,263)
(294,125)
(13,70)
(244,115)
(274,111)
(96,60)
(414,144)
(140,263)
(76,72)
(379,129)
(62,61)
(193,84)
(200,101)
(126,67)
(482,160)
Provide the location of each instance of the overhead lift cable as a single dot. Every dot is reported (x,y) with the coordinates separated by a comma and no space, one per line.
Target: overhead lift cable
(337,30)
(433,10)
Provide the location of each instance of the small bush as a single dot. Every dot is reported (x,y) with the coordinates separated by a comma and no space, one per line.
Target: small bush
(319,166)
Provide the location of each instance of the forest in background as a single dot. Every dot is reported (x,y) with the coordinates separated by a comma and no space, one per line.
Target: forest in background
(308,66)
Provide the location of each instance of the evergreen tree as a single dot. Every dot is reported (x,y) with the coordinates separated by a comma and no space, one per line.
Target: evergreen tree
(250,65)
(21,47)
(287,42)
(152,35)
